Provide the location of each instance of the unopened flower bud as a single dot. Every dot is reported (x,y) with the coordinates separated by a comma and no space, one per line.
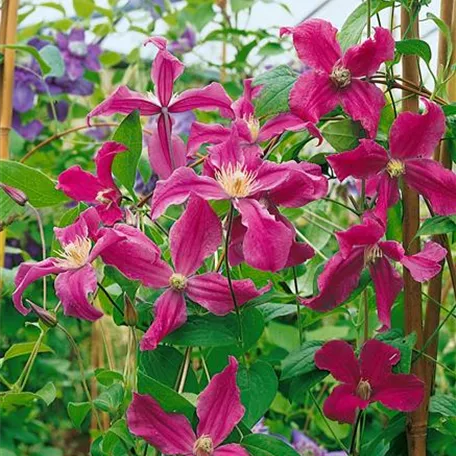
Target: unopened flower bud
(46,317)
(130,313)
(15,194)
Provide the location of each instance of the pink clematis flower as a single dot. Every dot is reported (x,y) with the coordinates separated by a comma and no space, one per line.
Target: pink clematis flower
(99,190)
(231,173)
(336,79)
(193,238)
(361,247)
(366,381)
(165,70)
(219,410)
(247,125)
(413,138)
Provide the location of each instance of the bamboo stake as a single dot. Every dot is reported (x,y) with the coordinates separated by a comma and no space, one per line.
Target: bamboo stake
(432,319)
(417,420)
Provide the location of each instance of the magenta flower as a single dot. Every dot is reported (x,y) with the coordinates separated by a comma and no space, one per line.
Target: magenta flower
(413,139)
(124,247)
(361,247)
(193,238)
(99,190)
(336,76)
(219,410)
(365,381)
(248,127)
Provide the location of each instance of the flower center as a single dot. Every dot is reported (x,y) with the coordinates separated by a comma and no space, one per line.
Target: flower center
(254,126)
(395,167)
(340,76)
(75,254)
(203,446)
(78,48)
(364,390)
(102,196)
(236,181)
(371,254)
(178,282)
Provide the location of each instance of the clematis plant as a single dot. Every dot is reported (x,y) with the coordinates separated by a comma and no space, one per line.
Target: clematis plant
(367,380)
(336,77)
(219,410)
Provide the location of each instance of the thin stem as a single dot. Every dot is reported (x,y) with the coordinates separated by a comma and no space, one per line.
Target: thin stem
(352,450)
(329,222)
(366,314)
(111,300)
(23,378)
(298,306)
(43,250)
(5,382)
(203,362)
(107,349)
(313,222)
(342,205)
(308,242)
(183,378)
(146,447)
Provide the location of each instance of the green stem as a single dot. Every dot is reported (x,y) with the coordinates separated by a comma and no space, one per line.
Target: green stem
(298,306)
(105,292)
(330,200)
(5,382)
(369,13)
(186,365)
(22,380)
(352,450)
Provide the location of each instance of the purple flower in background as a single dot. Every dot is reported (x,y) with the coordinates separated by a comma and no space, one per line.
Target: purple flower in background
(26,85)
(29,130)
(260,427)
(61,108)
(185,43)
(182,122)
(305,446)
(98,133)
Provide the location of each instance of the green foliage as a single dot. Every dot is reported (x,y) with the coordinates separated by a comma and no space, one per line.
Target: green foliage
(265,445)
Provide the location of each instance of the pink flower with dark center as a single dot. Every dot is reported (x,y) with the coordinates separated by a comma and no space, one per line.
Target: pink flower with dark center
(99,190)
(82,243)
(219,410)
(361,247)
(413,139)
(367,380)
(193,238)
(248,127)
(232,173)
(165,70)
(336,76)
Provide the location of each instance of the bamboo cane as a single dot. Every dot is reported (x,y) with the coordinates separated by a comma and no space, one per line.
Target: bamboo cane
(417,420)
(432,319)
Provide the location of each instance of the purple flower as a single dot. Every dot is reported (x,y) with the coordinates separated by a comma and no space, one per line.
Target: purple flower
(61,108)
(26,85)
(185,43)
(305,446)
(29,130)
(98,133)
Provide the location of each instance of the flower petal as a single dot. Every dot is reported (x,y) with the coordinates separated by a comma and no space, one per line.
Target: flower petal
(79,185)
(103,161)
(313,96)
(434,182)
(316,44)
(425,264)
(110,213)
(124,101)
(363,162)
(169,314)
(243,106)
(212,291)
(343,403)
(417,135)
(219,407)
(86,225)
(235,252)
(387,195)
(363,101)
(179,186)
(365,59)
(392,249)
(205,133)
(208,98)
(195,236)
(338,357)
(73,287)
(232,449)
(388,284)
(170,433)
(267,242)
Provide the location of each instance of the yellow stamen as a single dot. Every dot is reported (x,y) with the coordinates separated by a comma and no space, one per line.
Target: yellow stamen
(395,167)
(372,254)
(364,390)
(75,254)
(254,126)
(203,446)
(340,76)
(236,181)
(178,282)
(101,198)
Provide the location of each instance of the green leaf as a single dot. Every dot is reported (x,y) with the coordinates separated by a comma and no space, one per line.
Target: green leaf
(271,310)
(415,47)
(449,109)
(403,343)
(110,399)
(55,6)
(445,30)
(342,134)
(9,209)
(266,445)
(108,377)
(444,404)
(300,361)
(270,49)
(44,66)
(77,412)
(38,187)
(51,55)
(110,58)
(84,8)
(117,433)
(25,348)
(47,393)
(258,385)
(128,133)
(239,5)
(302,384)
(437,225)
(276,85)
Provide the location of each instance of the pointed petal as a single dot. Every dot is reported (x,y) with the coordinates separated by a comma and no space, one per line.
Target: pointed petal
(29,273)
(417,135)
(425,264)
(343,403)
(316,44)
(338,357)
(179,186)
(313,96)
(235,252)
(212,291)
(169,314)
(73,287)
(208,98)
(124,101)
(363,101)
(434,182)
(228,153)
(271,176)
(267,242)
(79,185)
(103,161)
(387,195)
(388,284)
(338,279)
(363,162)
(232,449)
(400,392)
(365,59)
(86,225)
(110,213)
(392,249)
(195,236)
(243,107)
(170,433)
(219,407)
(205,133)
